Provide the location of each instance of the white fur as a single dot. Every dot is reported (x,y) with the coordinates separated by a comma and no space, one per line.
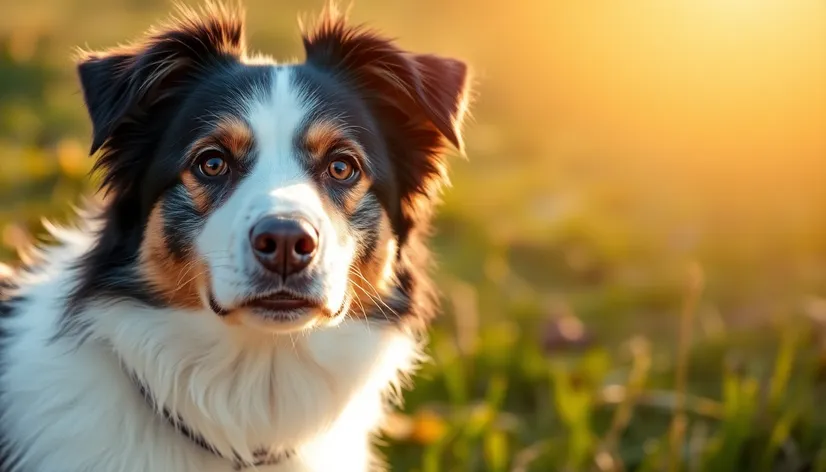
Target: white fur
(74,409)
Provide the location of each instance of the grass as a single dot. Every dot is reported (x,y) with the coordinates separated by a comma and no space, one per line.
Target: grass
(605,308)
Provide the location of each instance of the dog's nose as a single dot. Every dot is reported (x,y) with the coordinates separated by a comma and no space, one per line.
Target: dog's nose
(284,245)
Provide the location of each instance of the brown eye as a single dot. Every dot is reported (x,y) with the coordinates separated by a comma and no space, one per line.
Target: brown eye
(342,170)
(211,163)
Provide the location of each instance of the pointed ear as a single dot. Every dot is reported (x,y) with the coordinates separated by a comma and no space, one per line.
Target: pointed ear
(426,91)
(443,94)
(123,84)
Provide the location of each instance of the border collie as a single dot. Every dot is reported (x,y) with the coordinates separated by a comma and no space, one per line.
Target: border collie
(251,291)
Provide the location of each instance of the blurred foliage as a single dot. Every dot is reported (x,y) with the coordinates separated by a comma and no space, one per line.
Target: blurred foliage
(633,258)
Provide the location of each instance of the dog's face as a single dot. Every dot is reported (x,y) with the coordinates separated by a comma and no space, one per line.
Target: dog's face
(278,196)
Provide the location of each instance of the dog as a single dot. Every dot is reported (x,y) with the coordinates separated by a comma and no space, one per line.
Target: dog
(251,290)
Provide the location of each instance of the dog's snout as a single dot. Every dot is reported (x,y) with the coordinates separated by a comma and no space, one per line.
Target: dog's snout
(284,245)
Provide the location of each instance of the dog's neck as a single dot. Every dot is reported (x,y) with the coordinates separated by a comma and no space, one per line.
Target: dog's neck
(242,391)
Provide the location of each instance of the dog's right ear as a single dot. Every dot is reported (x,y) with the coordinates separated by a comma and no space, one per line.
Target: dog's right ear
(121,86)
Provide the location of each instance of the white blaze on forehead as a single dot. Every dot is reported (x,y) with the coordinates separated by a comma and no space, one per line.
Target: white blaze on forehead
(276,116)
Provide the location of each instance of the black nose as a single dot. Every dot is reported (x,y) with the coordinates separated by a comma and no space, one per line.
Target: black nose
(284,245)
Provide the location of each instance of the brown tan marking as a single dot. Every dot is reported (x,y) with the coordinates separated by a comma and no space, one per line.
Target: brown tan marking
(177,280)
(235,136)
(229,133)
(350,201)
(321,136)
(196,192)
(355,194)
(371,279)
(324,135)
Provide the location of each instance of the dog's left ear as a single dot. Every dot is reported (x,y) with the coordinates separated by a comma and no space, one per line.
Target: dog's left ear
(424,87)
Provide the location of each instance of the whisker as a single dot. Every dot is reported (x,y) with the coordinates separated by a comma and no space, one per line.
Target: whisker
(182,285)
(363,312)
(378,296)
(372,298)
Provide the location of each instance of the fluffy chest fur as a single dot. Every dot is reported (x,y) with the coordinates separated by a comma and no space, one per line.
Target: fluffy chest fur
(73,407)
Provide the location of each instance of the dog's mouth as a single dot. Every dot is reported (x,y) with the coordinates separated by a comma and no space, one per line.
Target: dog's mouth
(279,302)
(280,305)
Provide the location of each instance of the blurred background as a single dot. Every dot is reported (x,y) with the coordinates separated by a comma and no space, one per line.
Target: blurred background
(633,258)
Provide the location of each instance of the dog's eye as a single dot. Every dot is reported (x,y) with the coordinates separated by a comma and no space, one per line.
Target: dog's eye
(211,163)
(342,170)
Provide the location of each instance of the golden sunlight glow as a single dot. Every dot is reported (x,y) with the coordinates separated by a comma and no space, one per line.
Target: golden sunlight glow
(702,76)
(715,95)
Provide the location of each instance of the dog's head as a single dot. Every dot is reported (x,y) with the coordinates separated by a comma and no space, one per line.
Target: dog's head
(278,196)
